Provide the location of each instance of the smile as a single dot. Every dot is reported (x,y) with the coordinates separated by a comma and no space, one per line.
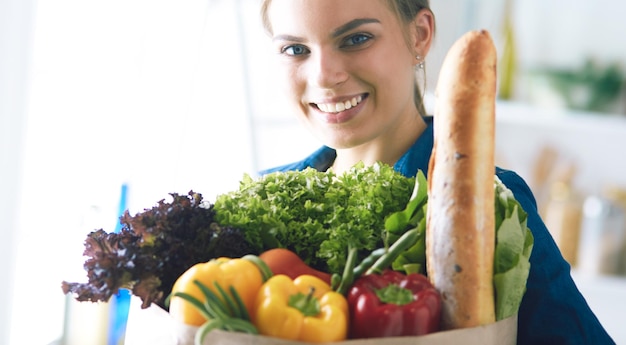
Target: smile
(339,106)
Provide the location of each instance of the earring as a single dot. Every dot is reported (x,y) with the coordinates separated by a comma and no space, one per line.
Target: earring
(420,62)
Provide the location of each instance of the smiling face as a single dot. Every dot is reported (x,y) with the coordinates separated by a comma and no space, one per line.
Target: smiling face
(348,69)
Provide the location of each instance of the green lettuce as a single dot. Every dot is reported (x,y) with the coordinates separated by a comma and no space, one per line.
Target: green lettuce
(318,215)
(514,242)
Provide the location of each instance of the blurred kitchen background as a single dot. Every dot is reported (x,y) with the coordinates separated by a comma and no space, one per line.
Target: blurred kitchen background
(157,96)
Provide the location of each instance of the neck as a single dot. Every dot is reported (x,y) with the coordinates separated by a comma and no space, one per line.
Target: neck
(386,149)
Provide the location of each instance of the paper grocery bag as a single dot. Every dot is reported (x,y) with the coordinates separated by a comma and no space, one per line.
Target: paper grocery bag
(155,326)
(502,333)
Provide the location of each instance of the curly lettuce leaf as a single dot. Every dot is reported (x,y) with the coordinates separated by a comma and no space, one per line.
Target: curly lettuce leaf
(318,215)
(372,193)
(153,248)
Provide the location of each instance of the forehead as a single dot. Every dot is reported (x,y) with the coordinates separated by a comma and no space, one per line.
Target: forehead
(303,17)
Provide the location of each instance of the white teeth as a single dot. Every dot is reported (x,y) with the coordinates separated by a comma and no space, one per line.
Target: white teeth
(339,106)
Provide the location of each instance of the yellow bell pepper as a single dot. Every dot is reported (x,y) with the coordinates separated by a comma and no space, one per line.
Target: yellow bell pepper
(304,309)
(242,274)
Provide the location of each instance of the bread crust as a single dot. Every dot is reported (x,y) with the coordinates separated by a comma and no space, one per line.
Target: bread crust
(460,234)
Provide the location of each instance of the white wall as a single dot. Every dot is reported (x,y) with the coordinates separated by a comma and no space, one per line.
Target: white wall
(147,93)
(15,47)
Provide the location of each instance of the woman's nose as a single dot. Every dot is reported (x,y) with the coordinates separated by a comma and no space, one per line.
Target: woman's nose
(327,69)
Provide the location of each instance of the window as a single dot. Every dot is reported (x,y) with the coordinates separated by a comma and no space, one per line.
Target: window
(148,93)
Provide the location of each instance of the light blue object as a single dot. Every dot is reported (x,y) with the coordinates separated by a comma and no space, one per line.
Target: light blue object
(119,303)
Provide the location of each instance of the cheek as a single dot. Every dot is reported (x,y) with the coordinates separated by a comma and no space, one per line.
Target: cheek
(291,84)
(396,79)
(384,67)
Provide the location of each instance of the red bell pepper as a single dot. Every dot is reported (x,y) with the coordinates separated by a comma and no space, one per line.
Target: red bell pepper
(393,304)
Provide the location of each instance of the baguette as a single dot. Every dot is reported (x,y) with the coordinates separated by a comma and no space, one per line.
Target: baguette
(460,232)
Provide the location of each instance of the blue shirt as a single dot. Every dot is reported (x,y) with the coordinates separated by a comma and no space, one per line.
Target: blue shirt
(553,311)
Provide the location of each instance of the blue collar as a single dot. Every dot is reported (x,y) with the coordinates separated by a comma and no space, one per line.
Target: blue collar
(414,159)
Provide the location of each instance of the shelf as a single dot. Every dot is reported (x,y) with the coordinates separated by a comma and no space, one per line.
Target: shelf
(593,143)
(526,114)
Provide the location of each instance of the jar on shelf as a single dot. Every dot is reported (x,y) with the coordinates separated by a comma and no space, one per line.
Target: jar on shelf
(562,216)
(603,234)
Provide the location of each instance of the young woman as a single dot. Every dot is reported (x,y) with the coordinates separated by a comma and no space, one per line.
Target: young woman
(349,70)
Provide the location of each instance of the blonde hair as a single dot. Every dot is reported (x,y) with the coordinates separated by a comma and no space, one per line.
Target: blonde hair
(405,11)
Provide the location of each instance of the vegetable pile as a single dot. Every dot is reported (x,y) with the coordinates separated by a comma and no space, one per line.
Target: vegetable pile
(359,235)
(295,305)
(315,214)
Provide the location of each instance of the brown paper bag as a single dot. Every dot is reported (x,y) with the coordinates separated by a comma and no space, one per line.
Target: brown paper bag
(155,326)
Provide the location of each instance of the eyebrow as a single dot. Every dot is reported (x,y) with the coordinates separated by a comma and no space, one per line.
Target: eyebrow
(288,38)
(352,25)
(336,33)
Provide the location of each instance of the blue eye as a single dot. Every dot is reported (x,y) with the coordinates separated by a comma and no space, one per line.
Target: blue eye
(295,49)
(357,39)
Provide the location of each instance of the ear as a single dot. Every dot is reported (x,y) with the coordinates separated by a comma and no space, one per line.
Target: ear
(422,32)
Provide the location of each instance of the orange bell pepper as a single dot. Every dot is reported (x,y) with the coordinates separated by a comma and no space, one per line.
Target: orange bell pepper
(304,309)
